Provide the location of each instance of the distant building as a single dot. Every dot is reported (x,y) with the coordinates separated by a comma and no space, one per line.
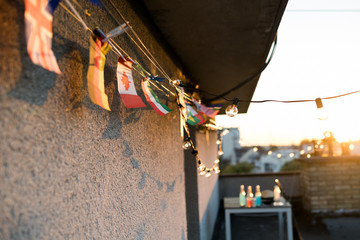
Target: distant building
(264,159)
(230,143)
(273,161)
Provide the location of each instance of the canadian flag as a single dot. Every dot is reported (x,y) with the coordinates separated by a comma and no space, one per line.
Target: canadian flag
(126,85)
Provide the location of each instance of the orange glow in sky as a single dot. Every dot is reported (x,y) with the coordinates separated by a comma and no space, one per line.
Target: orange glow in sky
(317,55)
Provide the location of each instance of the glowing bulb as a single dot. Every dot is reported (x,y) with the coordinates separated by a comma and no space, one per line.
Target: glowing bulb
(202,173)
(184,112)
(269,152)
(321,146)
(208,174)
(255,149)
(218,142)
(327,134)
(291,155)
(186,145)
(217,171)
(217,161)
(308,155)
(278,155)
(231,110)
(351,146)
(303,152)
(176,82)
(201,167)
(309,148)
(220,152)
(226,131)
(321,112)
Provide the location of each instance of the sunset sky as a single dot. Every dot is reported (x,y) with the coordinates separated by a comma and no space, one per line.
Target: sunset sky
(317,55)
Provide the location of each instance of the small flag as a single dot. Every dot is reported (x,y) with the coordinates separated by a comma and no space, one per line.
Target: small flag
(205,110)
(95,75)
(215,107)
(126,85)
(38,31)
(193,117)
(153,100)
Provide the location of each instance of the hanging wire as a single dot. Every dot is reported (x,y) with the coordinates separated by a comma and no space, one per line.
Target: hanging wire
(222,95)
(148,55)
(296,101)
(138,38)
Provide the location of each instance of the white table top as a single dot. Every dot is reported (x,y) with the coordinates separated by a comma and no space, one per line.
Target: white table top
(234,202)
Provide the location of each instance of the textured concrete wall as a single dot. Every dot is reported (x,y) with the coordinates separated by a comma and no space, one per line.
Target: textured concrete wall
(69,169)
(208,190)
(331,184)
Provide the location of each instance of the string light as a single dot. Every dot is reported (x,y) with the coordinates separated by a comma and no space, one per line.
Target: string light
(226,131)
(187,144)
(321,112)
(232,109)
(176,82)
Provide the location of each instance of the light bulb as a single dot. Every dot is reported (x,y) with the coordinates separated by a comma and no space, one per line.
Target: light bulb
(202,173)
(279,155)
(226,131)
(208,174)
(217,171)
(308,155)
(176,82)
(184,112)
(202,167)
(269,152)
(231,110)
(291,155)
(186,145)
(217,161)
(321,112)
(218,142)
(255,149)
(220,152)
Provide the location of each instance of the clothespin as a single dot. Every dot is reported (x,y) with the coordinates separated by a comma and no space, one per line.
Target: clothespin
(115,32)
(156,78)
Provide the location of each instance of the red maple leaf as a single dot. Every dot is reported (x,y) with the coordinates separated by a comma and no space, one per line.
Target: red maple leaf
(125,81)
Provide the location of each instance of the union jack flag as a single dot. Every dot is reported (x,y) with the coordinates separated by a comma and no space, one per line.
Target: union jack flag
(38,30)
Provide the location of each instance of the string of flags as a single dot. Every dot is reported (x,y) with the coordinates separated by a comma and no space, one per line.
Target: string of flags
(38,25)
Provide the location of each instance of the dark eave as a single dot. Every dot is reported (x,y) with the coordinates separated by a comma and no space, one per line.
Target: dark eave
(220,43)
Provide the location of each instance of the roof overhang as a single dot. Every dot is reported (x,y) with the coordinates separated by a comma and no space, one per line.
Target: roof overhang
(220,43)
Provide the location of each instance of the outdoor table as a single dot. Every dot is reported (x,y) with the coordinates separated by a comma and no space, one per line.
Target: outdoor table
(232,205)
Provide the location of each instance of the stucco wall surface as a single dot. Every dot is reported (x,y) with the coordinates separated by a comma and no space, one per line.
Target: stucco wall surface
(69,169)
(208,188)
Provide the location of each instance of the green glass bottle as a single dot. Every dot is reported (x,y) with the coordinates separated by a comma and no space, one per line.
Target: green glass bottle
(242,196)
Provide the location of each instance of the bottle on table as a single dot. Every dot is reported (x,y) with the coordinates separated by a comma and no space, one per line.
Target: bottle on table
(249,197)
(258,196)
(277,192)
(242,196)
